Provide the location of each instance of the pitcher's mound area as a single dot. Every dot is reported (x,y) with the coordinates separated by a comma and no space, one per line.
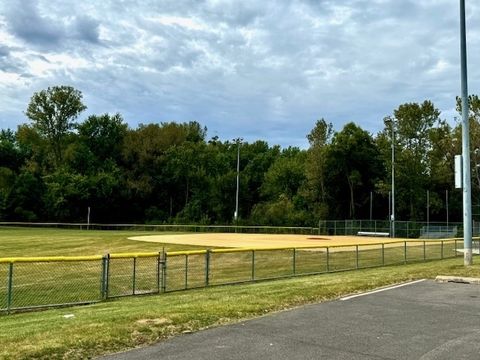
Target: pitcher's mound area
(258,240)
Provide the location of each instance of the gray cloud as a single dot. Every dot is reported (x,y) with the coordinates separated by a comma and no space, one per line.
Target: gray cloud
(257,69)
(26,23)
(87,29)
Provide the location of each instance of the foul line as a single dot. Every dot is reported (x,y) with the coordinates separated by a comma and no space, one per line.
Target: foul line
(380,290)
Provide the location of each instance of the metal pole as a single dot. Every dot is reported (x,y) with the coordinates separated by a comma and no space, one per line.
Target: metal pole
(107,280)
(371,205)
(186,271)
(10,287)
(428,211)
(393,179)
(446,205)
(467,193)
(390,210)
(239,140)
(88,218)
(294,261)
(134,273)
(328,259)
(253,265)
(207,267)
(383,254)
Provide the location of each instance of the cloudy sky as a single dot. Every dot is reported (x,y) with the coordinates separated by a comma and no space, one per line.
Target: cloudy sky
(253,69)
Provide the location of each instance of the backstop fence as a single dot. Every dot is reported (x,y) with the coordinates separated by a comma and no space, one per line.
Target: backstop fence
(30,283)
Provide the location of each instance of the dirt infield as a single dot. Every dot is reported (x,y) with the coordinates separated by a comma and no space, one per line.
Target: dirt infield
(263,241)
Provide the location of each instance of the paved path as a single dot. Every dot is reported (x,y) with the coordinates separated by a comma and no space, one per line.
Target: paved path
(425,320)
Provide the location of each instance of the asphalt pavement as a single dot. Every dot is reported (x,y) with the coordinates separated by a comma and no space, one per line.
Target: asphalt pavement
(423,320)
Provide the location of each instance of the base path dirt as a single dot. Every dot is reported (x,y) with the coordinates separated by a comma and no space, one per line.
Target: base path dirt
(261,240)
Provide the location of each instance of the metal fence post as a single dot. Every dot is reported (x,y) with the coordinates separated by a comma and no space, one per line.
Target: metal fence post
(253,265)
(107,280)
(186,271)
(134,274)
(207,267)
(159,262)
(328,259)
(103,284)
(164,272)
(294,260)
(356,257)
(383,254)
(10,287)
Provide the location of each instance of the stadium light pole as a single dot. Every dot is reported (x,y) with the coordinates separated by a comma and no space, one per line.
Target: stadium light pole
(235,215)
(391,122)
(467,191)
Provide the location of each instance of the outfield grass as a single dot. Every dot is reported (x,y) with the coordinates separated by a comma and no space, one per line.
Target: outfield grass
(137,321)
(63,242)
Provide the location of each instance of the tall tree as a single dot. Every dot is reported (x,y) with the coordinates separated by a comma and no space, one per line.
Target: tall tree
(354,166)
(413,124)
(315,167)
(103,135)
(52,112)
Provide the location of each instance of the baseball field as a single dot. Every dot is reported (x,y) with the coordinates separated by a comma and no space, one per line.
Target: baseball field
(263,241)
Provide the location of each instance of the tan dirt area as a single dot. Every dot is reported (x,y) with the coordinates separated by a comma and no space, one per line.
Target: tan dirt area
(229,240)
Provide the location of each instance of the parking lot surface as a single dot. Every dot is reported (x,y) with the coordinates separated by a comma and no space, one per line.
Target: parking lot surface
(422,320)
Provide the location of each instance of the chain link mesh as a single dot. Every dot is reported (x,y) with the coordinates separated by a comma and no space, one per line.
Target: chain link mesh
(311,261)
(4,287)
(51,283)
(32,284)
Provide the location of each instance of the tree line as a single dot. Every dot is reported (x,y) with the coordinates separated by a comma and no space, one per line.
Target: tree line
(53,167)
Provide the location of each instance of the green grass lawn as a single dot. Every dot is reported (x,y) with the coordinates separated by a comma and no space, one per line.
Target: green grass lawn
(63,242)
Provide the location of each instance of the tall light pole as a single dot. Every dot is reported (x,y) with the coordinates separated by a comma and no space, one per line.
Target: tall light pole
(235,215)
(467,191)
(391,122)
(393,179)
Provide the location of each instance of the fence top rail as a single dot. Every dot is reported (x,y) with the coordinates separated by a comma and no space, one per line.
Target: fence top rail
(50,259)
(186,252)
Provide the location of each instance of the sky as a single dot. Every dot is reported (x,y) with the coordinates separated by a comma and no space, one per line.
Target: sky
(259,70)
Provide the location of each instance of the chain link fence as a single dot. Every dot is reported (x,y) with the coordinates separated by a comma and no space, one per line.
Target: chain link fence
(30,283)
(173,228)
(400,229)
(397,229)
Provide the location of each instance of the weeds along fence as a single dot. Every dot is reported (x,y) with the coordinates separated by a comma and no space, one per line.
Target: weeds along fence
(31,283)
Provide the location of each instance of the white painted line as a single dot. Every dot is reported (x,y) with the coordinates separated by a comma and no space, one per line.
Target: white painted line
(380,290)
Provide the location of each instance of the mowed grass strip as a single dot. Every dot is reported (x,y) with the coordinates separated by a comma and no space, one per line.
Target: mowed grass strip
(24,242)
(138,321)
